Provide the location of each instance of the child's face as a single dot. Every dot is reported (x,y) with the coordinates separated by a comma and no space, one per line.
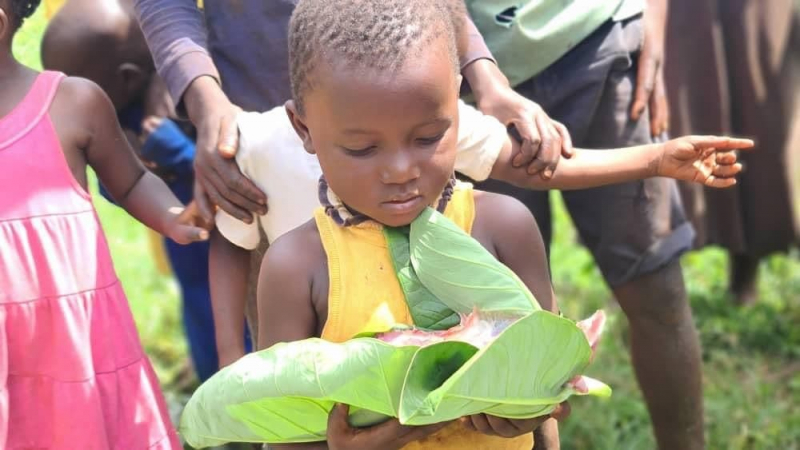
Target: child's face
(386,141)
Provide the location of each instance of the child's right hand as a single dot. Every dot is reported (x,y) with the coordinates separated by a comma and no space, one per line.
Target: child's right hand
(188,226)
(389,435)
(708,160)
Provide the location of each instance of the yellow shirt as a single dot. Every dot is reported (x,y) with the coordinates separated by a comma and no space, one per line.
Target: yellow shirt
(364,292)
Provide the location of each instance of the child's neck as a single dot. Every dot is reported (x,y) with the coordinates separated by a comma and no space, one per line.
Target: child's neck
(15,81)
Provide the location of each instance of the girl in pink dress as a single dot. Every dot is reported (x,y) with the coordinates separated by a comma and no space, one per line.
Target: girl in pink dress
(73,374)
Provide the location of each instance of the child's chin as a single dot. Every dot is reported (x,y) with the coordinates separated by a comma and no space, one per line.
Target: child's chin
(396,221)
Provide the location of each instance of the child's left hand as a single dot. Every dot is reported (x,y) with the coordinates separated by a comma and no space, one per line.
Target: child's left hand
(509,428)
(188,226)
(709,160)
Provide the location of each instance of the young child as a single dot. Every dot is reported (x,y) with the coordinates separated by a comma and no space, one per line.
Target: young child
(103,43)
(375,98)
(73,373)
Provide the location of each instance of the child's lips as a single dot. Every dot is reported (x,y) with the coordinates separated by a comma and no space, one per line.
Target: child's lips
(403,205)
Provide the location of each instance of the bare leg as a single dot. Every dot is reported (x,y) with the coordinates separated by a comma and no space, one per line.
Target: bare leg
(665,350)
(744,278)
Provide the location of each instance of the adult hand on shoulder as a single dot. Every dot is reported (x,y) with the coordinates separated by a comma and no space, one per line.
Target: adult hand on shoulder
(389,435)
(218,180)
(650,88)
(543,139)
(509,428)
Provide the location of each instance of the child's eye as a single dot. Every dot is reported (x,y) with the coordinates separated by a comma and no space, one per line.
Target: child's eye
(359,152)
(431,140)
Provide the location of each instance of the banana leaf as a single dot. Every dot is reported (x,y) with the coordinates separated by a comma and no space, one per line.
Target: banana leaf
(284,394)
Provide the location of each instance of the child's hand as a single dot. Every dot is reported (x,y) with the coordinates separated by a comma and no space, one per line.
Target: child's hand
(389,435)
(709,160)
(188,226)
(510,428)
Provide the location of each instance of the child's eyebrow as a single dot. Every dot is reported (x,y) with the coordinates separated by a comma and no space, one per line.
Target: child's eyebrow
(439,120)
(357,131)
(444,120)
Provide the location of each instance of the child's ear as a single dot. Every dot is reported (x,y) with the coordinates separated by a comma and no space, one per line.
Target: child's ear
(299,126)
(134,79)
(5,25)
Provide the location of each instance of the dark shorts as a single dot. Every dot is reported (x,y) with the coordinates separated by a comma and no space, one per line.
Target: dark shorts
(630,228)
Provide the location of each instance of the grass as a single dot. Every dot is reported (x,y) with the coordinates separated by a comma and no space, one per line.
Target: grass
(751,356)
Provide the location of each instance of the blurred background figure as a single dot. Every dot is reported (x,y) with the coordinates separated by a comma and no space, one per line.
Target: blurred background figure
(732,68)
(101,40)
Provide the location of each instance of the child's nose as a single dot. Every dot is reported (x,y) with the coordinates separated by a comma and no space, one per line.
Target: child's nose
(400,169)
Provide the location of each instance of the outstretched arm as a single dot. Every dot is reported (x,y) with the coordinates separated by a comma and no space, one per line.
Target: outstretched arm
(709,160)
(107,151)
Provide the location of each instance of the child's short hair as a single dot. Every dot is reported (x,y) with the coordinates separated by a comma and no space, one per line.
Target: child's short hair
(377,34)
(22,9)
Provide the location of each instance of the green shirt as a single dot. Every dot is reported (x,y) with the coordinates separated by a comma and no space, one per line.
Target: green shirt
(526,36)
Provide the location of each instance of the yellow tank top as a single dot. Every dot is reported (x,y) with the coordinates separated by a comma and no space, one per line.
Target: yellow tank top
(364,293)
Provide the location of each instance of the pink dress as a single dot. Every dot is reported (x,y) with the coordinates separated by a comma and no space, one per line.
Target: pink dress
(73,374)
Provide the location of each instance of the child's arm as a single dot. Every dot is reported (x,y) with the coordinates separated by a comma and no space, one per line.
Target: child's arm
(229,267)
(108,152)
(708,160)
(511,229)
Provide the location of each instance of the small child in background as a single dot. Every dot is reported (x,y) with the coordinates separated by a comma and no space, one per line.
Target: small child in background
(101,41)
(73,374)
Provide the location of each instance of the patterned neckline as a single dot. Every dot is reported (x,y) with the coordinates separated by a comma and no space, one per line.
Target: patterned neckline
(346,217)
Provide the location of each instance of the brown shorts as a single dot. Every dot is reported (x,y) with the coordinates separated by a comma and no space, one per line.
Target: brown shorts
(630,228)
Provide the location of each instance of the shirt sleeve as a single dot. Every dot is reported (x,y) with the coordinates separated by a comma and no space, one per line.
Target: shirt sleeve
(476,46)
(480,139)
(242,234)
(176,34)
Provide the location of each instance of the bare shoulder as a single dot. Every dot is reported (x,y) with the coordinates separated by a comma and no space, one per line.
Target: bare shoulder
(80,93)
(297,251)
(76,108)
(516,240)
(288,295)
(500,217)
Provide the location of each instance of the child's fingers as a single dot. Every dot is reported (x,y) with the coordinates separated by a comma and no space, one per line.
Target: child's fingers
(562,411)
(198,218)
(417,433)
(467,423)
(511,428)
(727,171)
(186,234)
(727,158)
(481,424)
(715,182)
(722,142)
(337,420)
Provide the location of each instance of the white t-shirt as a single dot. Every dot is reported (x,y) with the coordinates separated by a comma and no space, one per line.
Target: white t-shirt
(272,156)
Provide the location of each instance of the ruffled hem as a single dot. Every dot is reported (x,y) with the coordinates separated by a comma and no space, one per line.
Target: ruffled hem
(122,410)
(73,375)
(70,338)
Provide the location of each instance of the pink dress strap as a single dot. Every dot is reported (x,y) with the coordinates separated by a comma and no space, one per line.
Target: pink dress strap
(33,107)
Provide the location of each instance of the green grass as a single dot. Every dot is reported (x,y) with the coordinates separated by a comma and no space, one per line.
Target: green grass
(751,356)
